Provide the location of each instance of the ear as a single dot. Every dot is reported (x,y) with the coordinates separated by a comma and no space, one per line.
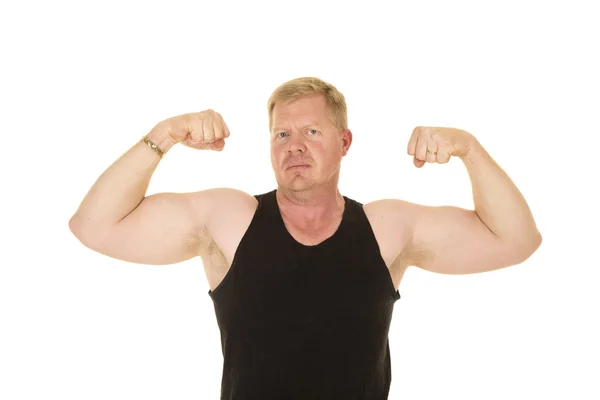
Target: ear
(346,141)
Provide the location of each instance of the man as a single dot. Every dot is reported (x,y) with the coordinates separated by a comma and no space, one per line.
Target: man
(304,279)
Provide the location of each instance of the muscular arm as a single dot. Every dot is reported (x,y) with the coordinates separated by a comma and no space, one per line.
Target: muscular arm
(498,233)
(117,219)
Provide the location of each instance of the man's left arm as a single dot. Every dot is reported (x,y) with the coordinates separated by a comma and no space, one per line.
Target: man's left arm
(499,232)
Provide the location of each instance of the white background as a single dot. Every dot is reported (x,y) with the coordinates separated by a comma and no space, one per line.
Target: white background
(82,82)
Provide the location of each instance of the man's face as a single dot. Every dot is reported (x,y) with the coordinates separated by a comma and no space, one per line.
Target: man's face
(303,134)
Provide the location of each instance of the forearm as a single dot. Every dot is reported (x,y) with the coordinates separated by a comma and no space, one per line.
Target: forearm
(498,202)
(122,187)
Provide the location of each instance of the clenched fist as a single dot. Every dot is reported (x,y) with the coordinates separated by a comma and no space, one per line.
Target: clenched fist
(201,130)
(437,144)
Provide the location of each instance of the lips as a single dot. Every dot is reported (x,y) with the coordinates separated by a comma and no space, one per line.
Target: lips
(297,165)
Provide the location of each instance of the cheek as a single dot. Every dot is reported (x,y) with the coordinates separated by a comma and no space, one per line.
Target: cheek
(333,158)
(326,160)
(276,158)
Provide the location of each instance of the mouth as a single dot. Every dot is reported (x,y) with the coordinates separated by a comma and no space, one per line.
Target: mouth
(298,166)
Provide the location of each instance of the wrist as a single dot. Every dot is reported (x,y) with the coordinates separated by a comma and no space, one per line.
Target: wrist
(475,154)
(160,136)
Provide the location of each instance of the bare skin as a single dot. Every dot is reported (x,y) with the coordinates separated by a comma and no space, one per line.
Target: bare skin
(117,219)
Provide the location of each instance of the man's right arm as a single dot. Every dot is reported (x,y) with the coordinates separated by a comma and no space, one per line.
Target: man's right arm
(117,219)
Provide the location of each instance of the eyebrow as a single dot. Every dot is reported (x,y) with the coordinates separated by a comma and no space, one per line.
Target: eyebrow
(276,128)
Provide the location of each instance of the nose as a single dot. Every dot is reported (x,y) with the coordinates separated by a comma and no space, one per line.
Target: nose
(296,143)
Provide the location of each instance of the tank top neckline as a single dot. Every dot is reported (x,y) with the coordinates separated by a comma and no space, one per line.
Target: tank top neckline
(301,245)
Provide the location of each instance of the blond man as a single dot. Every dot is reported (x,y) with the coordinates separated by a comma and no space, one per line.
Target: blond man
(303,278)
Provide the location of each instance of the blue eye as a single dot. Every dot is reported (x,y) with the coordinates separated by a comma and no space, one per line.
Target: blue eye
(310,132)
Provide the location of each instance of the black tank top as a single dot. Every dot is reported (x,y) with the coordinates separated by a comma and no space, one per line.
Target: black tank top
(305,322)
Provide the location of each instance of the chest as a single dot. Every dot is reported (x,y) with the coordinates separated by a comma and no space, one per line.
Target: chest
(312,237)
(218,255)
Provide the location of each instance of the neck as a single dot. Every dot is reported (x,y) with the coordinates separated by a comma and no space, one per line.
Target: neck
(311,207)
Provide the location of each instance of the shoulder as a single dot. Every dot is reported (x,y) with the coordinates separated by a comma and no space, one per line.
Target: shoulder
(226,214)
(225,194)
(392,211)
(217,203)
(392,224)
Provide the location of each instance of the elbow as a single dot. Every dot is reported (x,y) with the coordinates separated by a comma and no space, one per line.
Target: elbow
(89,236)
(74,225)
(528,247)
(77,226)
(78,230)
(538,240)
(535,242)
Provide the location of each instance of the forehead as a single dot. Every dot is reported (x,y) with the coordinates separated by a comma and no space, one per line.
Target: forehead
(305,109)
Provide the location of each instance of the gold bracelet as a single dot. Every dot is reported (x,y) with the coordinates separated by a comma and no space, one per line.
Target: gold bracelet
(153,146)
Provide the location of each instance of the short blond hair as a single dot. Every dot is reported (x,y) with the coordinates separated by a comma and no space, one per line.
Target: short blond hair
(337,110)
